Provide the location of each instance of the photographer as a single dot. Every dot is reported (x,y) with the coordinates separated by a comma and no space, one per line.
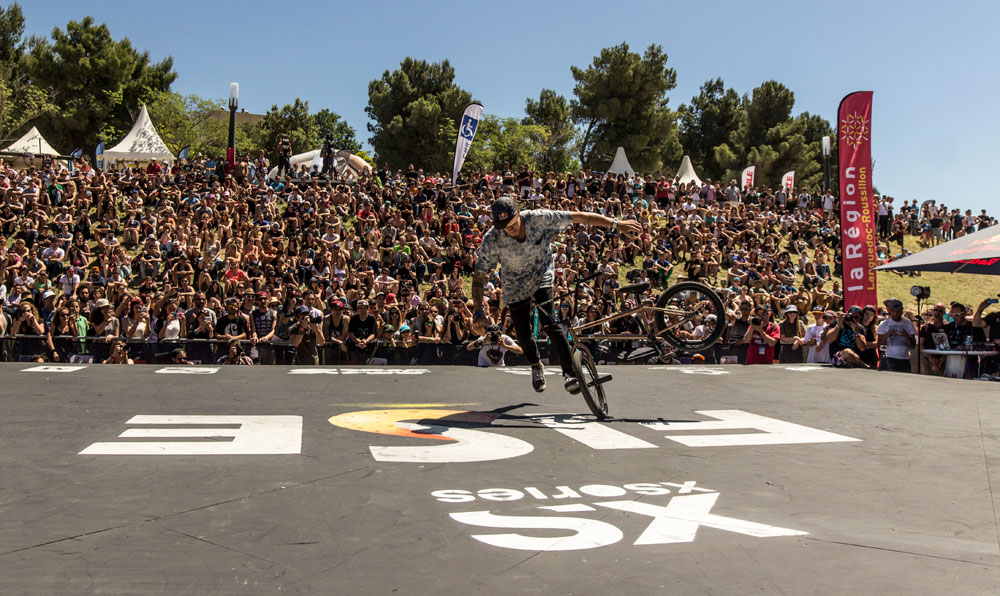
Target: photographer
(847,339)
(493,346)
(235,355)
(306,334)
(453,329)
(761,337)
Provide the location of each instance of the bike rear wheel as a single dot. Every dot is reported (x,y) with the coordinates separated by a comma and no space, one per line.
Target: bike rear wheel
(590,386)
(686,306)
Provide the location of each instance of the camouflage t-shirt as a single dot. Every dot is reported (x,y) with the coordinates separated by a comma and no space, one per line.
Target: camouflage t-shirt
(525,266)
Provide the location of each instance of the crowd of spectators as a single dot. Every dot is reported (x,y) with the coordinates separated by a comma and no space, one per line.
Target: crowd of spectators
(161,254)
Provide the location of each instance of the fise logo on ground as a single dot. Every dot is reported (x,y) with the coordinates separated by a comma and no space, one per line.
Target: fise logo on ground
(675,512)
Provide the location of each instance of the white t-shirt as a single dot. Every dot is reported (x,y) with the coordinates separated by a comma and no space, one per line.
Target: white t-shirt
(828,202)
(817,353)
(492,354)
(68,282)
(897,346)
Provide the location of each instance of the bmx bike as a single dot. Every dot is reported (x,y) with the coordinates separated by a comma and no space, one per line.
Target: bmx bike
(679,320)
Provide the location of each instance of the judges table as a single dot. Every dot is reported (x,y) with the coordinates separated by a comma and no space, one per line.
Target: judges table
(954,361)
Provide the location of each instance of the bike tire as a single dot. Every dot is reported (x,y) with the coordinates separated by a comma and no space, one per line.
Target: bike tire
(586,375)
(672,295)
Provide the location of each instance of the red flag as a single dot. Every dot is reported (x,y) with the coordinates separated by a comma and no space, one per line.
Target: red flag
(858,212)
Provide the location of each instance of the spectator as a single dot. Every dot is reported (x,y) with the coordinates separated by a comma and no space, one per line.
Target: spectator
(306,337)
(793,333)
(898,336)
(493,347)
(847,340)
(235,355)
(118,353)
(761,337)
(819,347)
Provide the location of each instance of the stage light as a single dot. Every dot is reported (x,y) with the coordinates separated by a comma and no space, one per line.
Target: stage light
(920,292)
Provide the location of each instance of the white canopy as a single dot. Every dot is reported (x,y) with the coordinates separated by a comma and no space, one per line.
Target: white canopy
(686,172)
(32,142)
(345,163)
(142,143)
(620,164)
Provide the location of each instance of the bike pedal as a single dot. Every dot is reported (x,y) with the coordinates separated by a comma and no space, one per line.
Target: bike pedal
(602,380)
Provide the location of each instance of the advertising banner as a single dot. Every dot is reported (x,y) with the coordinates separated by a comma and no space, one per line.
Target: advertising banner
(746,178)
(466,132)
(858,212)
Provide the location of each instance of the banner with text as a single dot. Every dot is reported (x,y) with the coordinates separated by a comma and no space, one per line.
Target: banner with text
(746,178)
(788,180)
(466,132)
(99,156)
(857,203)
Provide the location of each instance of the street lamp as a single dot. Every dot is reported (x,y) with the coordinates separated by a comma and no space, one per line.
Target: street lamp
(826,164)
(234,96)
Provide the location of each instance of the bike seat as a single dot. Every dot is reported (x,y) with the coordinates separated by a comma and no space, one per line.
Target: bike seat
(638,288)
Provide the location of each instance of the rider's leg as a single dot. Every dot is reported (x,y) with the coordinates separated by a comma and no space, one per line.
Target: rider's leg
(554,330)
(520,314)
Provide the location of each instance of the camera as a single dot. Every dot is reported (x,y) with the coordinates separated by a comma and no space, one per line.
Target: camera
(316,319)
(756,321)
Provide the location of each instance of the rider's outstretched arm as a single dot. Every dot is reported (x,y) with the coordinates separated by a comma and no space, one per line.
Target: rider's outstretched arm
(478,281)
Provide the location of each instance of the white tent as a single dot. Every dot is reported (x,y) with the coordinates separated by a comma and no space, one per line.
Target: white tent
(686,172)
(32,142)
(142,143)
(620,164)
(345,163)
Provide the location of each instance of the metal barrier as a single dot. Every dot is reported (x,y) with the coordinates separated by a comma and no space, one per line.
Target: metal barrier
(26,348)
(72,349)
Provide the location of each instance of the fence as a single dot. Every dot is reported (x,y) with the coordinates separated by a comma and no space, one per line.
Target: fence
(24,348)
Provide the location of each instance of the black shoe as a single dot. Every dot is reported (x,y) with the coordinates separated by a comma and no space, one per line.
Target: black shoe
(572,384)
(538,378)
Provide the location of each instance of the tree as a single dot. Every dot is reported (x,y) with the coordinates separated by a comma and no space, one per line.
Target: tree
(292,120)
(501,141)
(551,111)
(330,124)
(414,111)
(621,100)
(707,123)
(21,101)
(97,83)
(186,120)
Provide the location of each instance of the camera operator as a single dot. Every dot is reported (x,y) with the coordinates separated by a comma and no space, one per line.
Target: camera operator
(847,339)
(762,336)
(493,346)
(235,355)
(306,334)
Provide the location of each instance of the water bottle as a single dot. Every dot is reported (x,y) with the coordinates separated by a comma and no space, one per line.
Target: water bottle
(968,343)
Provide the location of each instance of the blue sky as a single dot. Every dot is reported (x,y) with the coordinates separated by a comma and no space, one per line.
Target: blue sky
(933,66)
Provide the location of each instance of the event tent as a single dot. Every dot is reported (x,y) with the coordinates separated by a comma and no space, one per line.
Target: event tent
(142,143)
(978,252)
(32,142)
(344,162)
(620,164)
(686,172)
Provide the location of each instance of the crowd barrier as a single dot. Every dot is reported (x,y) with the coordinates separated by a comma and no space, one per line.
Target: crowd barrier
(26,348)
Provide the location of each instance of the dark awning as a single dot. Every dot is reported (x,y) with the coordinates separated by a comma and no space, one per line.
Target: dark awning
(975,253)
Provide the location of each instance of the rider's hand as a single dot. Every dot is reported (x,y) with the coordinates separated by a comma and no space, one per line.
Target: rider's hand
(629,227)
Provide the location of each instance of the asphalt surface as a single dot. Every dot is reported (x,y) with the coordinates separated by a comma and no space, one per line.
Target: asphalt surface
(442,480)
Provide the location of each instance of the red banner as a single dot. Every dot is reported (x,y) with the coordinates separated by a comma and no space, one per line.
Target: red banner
(858,211)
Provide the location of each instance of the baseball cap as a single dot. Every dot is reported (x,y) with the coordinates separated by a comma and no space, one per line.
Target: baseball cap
(388,328)
(893,303)
(337,303)
(300,309)
(48,294)
(403,328)
(504,209)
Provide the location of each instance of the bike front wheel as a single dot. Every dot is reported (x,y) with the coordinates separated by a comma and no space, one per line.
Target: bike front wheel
(690,316)
(590,385)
